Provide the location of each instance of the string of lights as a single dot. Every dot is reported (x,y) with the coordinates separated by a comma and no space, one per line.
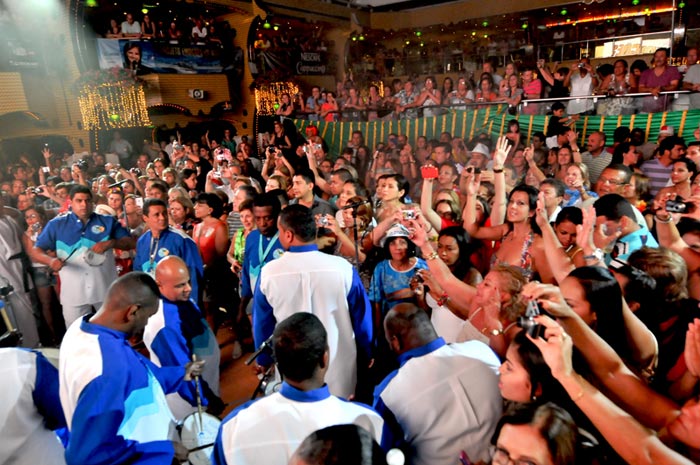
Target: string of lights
(113,106)
(268,96)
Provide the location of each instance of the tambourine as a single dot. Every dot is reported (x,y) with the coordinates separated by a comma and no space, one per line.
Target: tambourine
(93,258)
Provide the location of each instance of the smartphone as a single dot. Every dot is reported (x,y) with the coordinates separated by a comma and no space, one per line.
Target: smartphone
(409,214)
(139,202)
(45,169)
(429,172)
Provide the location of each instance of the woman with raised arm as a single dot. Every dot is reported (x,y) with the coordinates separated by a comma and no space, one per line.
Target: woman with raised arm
(489,310)
(522,245)
(627,434)
(561,250)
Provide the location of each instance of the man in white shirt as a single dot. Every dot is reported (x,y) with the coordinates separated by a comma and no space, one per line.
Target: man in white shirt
(324,285)
(269,431)
(691,80)
(443,399)
(131,28)
(582,81)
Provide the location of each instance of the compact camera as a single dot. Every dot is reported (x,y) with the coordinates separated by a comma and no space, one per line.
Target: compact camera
(678,206)
(528,323)
(409,214)
(322,222)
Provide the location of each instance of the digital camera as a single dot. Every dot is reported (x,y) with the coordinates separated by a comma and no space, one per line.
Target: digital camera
(678,206)
(409,214)
(528,323)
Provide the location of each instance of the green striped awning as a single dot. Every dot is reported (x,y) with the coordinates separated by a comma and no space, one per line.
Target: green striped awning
(494,120)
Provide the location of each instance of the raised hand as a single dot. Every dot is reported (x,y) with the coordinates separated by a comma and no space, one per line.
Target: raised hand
(541,212)
(584,231)
(556,347)
(549,297)
(692,348)
(473,182)
(502,149)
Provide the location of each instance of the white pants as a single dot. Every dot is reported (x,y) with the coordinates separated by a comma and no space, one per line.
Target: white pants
(73,312)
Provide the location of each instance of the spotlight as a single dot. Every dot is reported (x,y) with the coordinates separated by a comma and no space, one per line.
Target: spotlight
(564,11)
(267,25)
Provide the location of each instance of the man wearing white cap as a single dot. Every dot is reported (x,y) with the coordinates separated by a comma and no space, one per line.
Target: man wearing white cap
(481,157)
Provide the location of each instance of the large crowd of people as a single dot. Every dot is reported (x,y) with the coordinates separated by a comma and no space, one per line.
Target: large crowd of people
(424,97)
(526,301)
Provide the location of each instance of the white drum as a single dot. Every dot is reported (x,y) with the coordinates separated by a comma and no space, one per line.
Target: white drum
(194,435)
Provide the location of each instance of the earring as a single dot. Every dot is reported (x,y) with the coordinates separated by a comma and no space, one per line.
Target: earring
(534,398)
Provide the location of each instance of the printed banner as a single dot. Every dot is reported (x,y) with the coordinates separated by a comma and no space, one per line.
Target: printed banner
(145,57)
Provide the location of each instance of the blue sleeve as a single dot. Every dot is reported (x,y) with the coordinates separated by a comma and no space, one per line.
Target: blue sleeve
(392,433)
(375,286)
(169,377)
(172,351)
(194,263)
(45,394)
(361,314)
(118,231)
(263,322)
(47,238)
(101,408)
(217,455)
(246,291)
(141,253)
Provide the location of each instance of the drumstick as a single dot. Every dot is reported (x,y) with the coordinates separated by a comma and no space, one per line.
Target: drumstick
(198,397)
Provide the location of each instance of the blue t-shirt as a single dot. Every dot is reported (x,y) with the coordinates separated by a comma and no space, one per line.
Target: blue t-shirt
(150,251)
(386,280)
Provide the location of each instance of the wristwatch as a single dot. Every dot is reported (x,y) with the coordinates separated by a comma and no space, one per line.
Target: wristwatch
(597,255)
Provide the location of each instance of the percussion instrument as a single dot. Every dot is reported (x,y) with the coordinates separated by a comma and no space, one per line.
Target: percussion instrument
(199,431)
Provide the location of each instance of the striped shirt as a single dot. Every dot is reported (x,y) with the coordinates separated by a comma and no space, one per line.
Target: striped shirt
(596,165)
(658,174)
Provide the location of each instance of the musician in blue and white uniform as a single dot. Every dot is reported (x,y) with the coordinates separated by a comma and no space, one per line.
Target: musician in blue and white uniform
(113,397)
(176,332)
(30,412)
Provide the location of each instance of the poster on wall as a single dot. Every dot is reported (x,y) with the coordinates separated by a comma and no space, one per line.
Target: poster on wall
(145,57)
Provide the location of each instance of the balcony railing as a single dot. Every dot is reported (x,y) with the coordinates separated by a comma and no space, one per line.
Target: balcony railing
(492,119)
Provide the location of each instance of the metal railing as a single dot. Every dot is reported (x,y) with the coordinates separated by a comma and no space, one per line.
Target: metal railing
(388,112)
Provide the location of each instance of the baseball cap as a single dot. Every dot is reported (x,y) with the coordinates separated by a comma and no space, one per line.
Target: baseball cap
(666,130)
